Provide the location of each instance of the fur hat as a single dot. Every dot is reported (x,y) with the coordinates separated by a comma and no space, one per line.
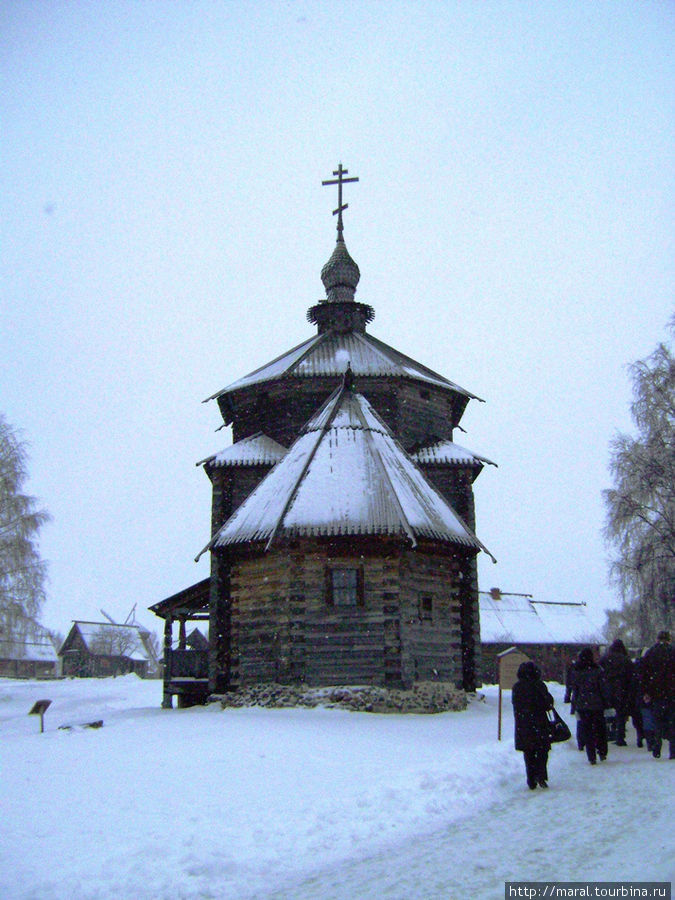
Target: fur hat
(528,671)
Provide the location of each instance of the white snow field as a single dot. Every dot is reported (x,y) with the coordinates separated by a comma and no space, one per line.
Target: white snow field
(306,803)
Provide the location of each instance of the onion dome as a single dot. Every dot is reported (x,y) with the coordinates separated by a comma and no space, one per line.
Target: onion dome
(338,311)
(340,275)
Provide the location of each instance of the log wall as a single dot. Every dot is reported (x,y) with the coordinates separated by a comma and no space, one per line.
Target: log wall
(283,627)
(431,648)
(416,413)
(455,483)
(346,644)
(231,485)
(28,668)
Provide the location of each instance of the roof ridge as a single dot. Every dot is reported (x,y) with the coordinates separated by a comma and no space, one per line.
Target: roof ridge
(380,462)
(317,340)
(469,531)
(310,341)
(338,393)
(409,360)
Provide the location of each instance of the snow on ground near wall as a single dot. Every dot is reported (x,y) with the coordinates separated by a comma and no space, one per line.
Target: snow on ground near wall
(305,803)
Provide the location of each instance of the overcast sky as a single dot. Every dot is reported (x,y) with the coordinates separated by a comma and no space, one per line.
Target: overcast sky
(164,227)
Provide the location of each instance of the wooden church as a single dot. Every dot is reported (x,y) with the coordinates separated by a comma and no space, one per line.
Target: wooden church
(342,532)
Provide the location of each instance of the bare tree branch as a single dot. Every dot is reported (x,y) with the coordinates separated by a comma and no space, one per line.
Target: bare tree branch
(22,572)
(640,523)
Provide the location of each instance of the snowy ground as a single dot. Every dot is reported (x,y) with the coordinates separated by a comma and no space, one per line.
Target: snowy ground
(306,803)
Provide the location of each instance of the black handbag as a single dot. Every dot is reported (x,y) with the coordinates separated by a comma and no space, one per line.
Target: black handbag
(557,728)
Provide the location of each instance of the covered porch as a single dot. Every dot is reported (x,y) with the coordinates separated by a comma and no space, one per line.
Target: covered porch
(186,655)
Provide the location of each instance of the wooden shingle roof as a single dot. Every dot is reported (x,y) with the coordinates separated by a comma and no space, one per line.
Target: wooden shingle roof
(326,354)
(449,453)
(257,450)
(345,475)
(33,651)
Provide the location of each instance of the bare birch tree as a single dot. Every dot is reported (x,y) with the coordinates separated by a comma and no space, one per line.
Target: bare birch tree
(22,571)
(640,524)
(114,640)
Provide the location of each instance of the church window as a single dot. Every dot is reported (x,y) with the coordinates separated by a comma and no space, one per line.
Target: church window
(426,608)
(345,586)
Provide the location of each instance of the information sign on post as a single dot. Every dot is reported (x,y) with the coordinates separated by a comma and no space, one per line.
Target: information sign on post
(508,662)
(40,707)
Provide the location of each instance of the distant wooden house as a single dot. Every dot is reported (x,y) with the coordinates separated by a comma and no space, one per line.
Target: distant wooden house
(342,529)
(26,647)
(35,658)
(101,649)
(550,633)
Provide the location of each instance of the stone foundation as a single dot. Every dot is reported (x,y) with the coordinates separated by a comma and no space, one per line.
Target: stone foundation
(423,697)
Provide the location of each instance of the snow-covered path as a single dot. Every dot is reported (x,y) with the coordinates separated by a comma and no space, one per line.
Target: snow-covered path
(613,822)
(297,803)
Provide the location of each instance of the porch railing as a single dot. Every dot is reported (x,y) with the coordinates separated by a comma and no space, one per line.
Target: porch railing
(188,664)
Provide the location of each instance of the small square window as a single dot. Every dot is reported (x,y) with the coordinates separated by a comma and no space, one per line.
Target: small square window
(426,609)
(344,586)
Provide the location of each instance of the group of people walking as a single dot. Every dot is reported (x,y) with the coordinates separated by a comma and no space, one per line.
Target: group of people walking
(643,689)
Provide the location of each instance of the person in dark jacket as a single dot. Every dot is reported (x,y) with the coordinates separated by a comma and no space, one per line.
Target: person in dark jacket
(569,681)
(618,671)
(531,701)
(658,684)
(641,723)
(590,698)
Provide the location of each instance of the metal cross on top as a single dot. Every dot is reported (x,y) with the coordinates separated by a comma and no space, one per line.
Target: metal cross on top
(340,180)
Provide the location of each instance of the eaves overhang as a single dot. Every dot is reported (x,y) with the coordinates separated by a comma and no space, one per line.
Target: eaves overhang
(327,355)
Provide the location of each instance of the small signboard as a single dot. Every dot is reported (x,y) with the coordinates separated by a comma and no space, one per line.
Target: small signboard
(509,662)
(39,708)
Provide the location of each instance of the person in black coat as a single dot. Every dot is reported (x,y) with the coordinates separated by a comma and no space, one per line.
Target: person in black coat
(658,684)
(590,698)
(642,727)
(531,701)
(569,681)
(618,670)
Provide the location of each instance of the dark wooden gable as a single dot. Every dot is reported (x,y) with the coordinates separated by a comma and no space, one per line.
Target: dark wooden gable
(73,641)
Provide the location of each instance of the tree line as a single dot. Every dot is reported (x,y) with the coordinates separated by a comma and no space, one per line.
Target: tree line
(640,507)
(22,570)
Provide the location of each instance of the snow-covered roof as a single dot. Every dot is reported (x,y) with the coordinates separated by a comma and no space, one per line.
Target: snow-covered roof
(326,354)
(107,639)
(518,619)
(35,651)
(345,475)
(449,453)
(256,450)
